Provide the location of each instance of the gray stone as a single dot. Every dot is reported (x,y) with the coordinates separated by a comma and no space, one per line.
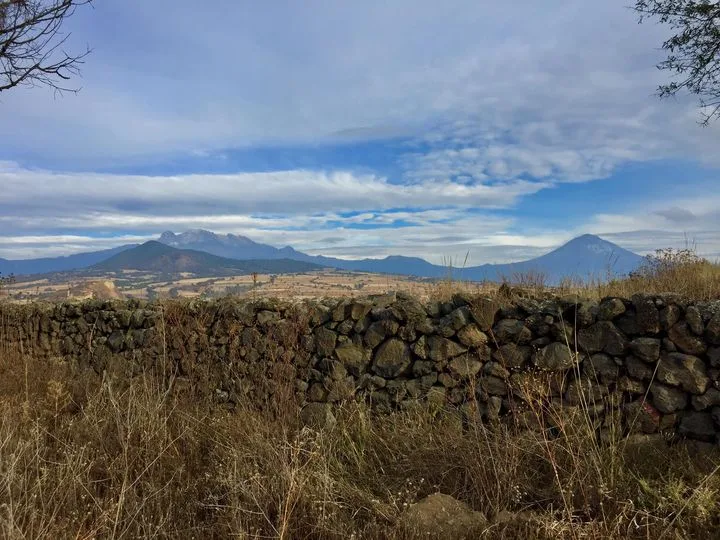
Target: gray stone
(684,370)
(669,316)
(465,367)
(602,336)
(513,356)
(358,310)
(647,316)
(472,336)
(698,425)
(638,369)
(494,386)
(712,331)
(668,400)
(610,308)
(442,349)
(512,331)
(601,367)
(423,367)
(496,370)
(318,416)
(685,340)
(378,331)
(325,340)
(392,358)
(711,398)
(354,358)
(555,357)
(694,320)
(585,391)
(646,349)
(485,312)
(116,341)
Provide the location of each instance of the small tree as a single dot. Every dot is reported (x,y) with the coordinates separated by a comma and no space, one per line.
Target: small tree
(693,52)
(32,44)
(5,281)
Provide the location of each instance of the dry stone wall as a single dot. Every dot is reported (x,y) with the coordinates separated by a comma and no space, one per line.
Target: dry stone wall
(654,359)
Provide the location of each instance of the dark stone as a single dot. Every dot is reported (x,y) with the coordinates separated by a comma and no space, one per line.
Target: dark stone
(472,336)
(585,391)
(318,416)
(116,341)
(642,416)
(513,356)
(421,368)
(392,358)
(601,367)
(685,340)
(325,340)
(669,316)
(512,331)
(638,369)
(686,371)
(354,358)
(711,398)
(631,386)
(495,386)
(698,425)
(441,349)
(647,316)
(484,311)
(465,367)
(602,337)
(668,400)
(610,308)
(647,349)
(378,331)
(712,331)
(694,320)
(555,357)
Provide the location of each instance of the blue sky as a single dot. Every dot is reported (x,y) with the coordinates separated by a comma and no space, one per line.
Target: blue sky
(361,129)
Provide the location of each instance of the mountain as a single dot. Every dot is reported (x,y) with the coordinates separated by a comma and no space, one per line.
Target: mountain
(157,257)
(58,264)
(584,257)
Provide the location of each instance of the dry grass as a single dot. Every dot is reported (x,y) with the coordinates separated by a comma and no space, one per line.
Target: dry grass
(83,458)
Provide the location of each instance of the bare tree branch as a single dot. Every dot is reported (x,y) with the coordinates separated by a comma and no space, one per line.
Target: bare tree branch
(32,44)
(693,52)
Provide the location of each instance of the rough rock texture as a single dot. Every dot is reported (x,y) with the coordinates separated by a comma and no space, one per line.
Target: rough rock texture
(441,516)
(656,360)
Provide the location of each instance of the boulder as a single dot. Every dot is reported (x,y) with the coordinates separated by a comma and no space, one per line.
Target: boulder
(555,357)
(512,331)
(601,367)
(378,331)
(698,425)
(685,340)
(669,316)
(610,308)
(465,367)
(325,340)
(485,312)
(638,369)
(712,331)
(392,358)
(513,356)
(666,399)
(646,349)
(602,336)
(709,399)
(684,370)
(472,336)
(354,358)
(694,320)
(441,349)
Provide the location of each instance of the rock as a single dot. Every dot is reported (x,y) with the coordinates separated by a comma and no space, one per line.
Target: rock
(318,416)
(686,371)
(354,358)
(513,356)
(713,355)
(601,367)
(602,336)
(711,398)
(358,310)
(496,370)
(555,357)
(669,316)
(631,386)
(392,358)
(423,367)
(642,416)
(646,349)
(484,311)
(638,369)
(668,400)
(685,340)
(712,331)
(584,391)
(694,320)
(116,341)
(378,331)
(512,331)
(420,348)
(698,425)
(647,316)
(325,340)
(472,336)
(465,367)
(441,517)
(441,349)
(716,416)
(454,321)
(494,386)
(610,308)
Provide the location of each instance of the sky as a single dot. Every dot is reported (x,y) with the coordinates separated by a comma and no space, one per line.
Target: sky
(491,130)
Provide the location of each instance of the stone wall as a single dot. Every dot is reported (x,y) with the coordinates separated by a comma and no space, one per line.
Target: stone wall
(654,359)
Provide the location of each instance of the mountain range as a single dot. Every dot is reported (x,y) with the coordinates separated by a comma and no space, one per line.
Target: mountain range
(584,257)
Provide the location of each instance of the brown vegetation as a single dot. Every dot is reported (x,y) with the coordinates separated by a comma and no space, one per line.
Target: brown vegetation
(81,458)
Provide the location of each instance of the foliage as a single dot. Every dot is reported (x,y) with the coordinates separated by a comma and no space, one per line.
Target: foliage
(693,51)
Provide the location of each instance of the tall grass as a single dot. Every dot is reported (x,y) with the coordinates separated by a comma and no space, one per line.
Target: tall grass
(88,458)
